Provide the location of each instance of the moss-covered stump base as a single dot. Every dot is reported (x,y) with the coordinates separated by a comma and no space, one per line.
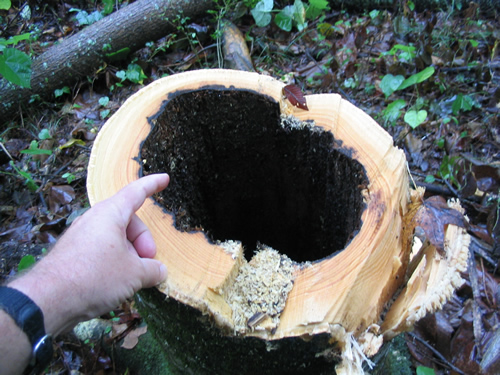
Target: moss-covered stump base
(193,345)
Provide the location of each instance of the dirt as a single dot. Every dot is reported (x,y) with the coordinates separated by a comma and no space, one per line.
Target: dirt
(241,172)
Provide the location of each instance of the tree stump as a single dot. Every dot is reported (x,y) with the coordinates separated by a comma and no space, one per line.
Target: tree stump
(286,232)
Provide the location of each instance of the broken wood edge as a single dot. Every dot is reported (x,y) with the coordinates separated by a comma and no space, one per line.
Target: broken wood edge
(434,279)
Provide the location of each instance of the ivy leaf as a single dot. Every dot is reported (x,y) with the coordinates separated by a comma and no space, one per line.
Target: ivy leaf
(5,4)
(414,118)
(103,101)
(390,83)
(262,12)
(15,66)
(315,8)
(295,96)
(299,14)
(462,102)
(393,110)
(284,19)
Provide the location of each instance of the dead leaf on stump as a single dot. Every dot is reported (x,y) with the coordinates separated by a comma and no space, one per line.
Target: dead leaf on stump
(295,96)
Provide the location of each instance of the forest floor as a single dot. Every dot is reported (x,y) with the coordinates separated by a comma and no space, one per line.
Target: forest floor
(446,120)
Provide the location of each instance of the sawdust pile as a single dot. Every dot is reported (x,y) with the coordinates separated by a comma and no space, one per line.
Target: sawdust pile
(259,293)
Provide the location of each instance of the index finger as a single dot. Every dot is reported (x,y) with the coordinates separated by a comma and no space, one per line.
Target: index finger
(131,197)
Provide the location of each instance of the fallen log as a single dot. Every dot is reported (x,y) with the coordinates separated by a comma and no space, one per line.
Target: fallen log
(287,233)
(83,53)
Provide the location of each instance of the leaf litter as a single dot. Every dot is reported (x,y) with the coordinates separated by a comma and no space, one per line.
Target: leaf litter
(454,152)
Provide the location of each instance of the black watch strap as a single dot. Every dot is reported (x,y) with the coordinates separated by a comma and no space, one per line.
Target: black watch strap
(29,318)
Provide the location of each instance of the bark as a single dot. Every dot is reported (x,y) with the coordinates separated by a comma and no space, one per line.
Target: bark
(81,54)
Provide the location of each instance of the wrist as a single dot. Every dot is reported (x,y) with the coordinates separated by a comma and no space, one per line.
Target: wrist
(53,296)
(29,318)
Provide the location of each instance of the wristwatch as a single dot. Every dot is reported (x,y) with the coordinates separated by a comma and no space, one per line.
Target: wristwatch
(29,318)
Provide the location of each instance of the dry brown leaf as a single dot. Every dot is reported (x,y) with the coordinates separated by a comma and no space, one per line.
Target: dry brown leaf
(433,216)
(132,337)
(295,96)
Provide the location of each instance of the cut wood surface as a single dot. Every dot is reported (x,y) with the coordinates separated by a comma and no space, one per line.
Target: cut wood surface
(343,294)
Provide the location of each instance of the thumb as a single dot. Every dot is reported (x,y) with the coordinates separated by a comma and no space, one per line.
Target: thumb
(154,273)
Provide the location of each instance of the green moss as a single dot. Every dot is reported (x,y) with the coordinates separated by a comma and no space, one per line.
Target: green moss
(393,358)
(192,344)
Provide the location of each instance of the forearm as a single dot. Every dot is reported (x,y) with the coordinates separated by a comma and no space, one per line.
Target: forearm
(44,288)
(15,349)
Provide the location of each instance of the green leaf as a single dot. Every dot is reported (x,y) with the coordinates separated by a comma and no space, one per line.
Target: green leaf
(103,101)
(409,50)
(430,179)
(390,83)
(5,4)
(422,370)
(44,134)
(108,7)
(135,73)
(34,150)
(121,54)
(122,75)
(70,177)
(393,110)
(83,18)
(284,19)
(15,39)
(26,262)
(374,14)
(61,92)
(104,113)
(414,118)
(462,102)
(320,4)
(299,14)
(72,142)
(30,183)
(261,12)
(417,78)
(15,66)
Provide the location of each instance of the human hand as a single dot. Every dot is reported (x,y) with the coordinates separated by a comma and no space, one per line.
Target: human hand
(99,262)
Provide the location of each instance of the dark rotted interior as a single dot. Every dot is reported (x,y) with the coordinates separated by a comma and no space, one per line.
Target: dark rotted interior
(237,174)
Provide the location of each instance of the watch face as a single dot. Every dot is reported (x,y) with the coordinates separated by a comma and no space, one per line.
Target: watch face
(43,351)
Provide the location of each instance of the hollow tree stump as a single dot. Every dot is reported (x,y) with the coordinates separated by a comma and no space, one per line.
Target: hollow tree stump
(285,231)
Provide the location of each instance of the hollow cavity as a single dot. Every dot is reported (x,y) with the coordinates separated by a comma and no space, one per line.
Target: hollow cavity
(239,171)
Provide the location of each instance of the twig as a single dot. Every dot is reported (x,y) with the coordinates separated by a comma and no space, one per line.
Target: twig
(482,249)
(476,313)
(436,353)
(436,189)
(455,192)
(5,150)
